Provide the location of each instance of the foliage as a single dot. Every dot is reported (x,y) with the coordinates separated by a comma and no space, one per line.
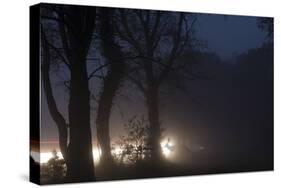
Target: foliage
(134,144)
(54,170)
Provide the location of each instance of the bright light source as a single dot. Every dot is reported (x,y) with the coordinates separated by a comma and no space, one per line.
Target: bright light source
(96,154)
(45,157)
(167,147)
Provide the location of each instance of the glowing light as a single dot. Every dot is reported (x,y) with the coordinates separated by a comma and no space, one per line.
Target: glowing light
(167,147)
(44,157)
(96,154)
(166,151)
(117,151)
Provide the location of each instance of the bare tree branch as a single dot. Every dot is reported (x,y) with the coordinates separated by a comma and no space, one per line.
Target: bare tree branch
(138,83)
(58,53)
(96,70)
(173,52)
(130,38)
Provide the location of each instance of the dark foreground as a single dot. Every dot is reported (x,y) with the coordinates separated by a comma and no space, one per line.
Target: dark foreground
(165,169)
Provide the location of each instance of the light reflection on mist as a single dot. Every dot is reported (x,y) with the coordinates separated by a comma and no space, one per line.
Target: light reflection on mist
(167,145)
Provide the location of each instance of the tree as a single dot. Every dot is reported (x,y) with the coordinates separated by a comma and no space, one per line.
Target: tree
(56,168)
(111,83)
(74,26)
(134,144)
(155,40)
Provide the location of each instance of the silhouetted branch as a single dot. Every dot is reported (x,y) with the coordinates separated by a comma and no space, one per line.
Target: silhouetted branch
(96,70)
(146,58)
(157,21)
(187,35)
(53,19)
(173,52)
(138,83)
(64,39)
(129,36)
(58,53)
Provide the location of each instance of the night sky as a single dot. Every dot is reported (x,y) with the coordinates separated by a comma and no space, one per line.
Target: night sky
(227,35)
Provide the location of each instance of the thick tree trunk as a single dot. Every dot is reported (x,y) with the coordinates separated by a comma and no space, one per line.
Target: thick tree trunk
(78,153)
(111,84)
(81,164)
(77,38)
(76,29)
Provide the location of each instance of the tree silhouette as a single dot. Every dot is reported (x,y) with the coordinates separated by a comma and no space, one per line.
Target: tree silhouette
(56,168)
(75,26)
(111,83)
(134,144)
(155,40)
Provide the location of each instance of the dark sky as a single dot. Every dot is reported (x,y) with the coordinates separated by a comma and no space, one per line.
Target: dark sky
(227,35)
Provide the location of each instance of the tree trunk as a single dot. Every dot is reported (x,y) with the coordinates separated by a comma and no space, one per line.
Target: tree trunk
(81,164)
(76,29)
(76,39)
(103,116)
(78,153)
(56,115)
(113,57)
(152,99)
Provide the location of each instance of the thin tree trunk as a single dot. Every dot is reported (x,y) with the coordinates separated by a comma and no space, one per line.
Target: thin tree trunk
(111,84)
(56,115)
(152,99)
